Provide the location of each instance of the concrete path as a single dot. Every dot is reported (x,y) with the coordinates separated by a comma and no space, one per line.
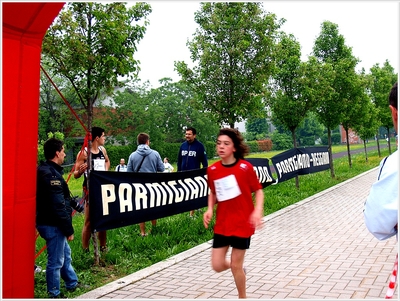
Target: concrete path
(317,248)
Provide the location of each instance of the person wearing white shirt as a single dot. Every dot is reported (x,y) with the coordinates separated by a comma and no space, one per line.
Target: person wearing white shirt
(122,166)
(381,206)
(168,167)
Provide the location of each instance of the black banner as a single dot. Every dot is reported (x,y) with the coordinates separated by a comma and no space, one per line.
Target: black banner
(119,199)
(261,167)
(300,161)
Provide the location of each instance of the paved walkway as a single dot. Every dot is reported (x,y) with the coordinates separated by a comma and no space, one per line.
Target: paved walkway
(317,248)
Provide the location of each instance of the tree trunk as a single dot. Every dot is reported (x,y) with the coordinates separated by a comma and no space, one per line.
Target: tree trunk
(365,151)
(89,162)
(330,153)
(377,144)
(295,146)
(348,146)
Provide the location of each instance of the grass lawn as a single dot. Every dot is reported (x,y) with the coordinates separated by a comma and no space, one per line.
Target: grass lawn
(129,252)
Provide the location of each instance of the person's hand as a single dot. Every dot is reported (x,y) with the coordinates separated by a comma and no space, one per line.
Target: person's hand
(82,168)
(71,237)
(256,219)
(207,216)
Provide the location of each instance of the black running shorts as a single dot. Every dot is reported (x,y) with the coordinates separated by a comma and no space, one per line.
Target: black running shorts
(233,241)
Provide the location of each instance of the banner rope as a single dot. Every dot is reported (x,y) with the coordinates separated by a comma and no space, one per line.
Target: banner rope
(85,144)
(392,280)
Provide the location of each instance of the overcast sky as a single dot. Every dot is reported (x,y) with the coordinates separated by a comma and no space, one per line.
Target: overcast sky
(371,28)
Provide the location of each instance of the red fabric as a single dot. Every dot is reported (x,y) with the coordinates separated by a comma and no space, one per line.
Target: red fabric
(232,216)
(24,26)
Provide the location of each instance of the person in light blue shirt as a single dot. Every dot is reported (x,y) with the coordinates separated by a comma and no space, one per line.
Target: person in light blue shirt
(145,159)
(381,206)
(122,167)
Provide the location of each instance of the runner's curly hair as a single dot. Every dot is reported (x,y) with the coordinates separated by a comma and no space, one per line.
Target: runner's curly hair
(242,149)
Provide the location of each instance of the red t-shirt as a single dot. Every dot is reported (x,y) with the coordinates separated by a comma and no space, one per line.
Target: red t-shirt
(233,185)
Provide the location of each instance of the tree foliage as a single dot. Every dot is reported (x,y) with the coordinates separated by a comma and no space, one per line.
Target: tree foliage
(289,99)
(338,65)
(92,45)
(309,130)
(164,113)
(233,48)
(256,128)
(355,103)
(54,115)
(381,81)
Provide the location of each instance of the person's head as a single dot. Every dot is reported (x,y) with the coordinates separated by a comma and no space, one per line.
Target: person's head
(98,135)
(122,161)
(393,101)
(230,142)
(166,160)
(54,150)
(190,134)
(143,138)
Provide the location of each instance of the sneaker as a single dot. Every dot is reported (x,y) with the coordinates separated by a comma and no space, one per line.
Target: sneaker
(38,269)
(103,249)
(79,286)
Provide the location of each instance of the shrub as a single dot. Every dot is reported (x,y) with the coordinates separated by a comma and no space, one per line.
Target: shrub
(334,136)
(307,141)
(116,152)
(264,145)
(281,141)
(253,146)
(210,149)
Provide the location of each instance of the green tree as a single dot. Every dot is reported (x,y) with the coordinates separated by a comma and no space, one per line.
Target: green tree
(256,128)
(176,102)
(380,84)
(163,113)
(337,63)
(54,115)
(367,128)
(92,46)
(355,101)
(232,49)
(132,112)
(309,130)
(289,100)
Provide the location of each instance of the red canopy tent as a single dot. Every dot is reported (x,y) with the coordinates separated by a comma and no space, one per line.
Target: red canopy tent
(24,26)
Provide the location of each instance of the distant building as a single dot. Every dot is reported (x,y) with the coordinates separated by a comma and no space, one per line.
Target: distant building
(353,137)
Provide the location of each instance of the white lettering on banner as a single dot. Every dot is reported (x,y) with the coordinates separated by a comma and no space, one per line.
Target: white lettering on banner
(169,194)
(125,202)
(108,196)
(296,162)
(150,195)
(262,174)
(319,159)
(178,192)
(140,195)
(186,190)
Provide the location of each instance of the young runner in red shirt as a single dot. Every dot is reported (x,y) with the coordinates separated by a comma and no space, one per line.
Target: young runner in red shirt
(232,180)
